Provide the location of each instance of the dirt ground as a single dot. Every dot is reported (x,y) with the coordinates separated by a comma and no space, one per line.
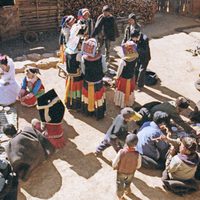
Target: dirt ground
(74,172)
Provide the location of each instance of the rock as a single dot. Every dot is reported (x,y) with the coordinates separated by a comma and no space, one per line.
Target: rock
(34,56)
(48,55)
(20,66)
(47,63)
(21,58)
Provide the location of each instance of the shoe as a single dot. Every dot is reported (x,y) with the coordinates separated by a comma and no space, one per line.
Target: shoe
(98,154)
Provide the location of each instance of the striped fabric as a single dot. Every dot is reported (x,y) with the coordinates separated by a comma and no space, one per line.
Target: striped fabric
(93,99)
(124,94)
(73,92)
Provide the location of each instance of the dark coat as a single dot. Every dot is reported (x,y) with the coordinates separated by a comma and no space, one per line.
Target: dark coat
(27,150)
(143,50)
(108,26)
(127,33)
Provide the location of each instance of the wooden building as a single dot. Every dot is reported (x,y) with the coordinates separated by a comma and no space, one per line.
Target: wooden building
(41,15)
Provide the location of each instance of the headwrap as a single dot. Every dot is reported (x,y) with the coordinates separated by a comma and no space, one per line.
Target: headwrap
(132,16)
(130,51)
(33,70)
(85,11)
(89,47)
(82,12)
(69,19)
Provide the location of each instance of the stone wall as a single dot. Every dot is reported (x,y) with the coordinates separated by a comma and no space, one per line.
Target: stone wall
(9,22)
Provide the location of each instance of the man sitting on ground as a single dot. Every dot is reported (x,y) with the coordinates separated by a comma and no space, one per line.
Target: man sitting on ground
(152,150)
(181,165)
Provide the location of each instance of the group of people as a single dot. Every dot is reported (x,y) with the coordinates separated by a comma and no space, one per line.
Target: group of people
(154,143)
(161,141)
(10,90)
(81,45)
(146,9)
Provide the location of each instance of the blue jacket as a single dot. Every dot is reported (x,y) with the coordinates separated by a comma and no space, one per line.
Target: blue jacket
(147,146)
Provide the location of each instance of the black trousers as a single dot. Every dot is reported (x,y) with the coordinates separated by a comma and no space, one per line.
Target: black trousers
(140,74)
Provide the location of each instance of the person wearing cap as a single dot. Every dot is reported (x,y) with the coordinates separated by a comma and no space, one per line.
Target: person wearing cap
(183,160)
(32,87)
(93,68)
(84,19)
(174,109)
(143,49)
(132,25)
(106,30)
(153,151)
(66,24)
(126,162)
(117,132)
(9,89)
(125,78)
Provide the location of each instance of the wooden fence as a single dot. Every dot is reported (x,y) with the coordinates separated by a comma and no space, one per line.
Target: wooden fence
(40,15)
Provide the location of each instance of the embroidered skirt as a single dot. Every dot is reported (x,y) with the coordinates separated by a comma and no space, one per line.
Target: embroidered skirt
(93,99)
(124,93)
(73,92)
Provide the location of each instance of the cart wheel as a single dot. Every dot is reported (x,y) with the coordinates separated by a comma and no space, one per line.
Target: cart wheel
(31,37)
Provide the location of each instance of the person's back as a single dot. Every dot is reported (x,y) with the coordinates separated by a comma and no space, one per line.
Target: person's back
(173,109)
(128,161)
(144,49)
(146,143)
(109,27)
(168,107)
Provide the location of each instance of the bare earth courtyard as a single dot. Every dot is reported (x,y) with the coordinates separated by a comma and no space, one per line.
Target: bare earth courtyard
(74,173)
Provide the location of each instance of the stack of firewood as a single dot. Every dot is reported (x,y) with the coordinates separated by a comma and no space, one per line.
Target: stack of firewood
(144,9)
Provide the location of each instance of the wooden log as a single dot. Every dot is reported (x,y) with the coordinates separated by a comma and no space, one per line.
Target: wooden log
(40,19)
(40,8)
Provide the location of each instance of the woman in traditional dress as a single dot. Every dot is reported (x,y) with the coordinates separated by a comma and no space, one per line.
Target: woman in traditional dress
(93,66)
(66,24)
(9,89)
(32,87)
(125,81)
(74,78)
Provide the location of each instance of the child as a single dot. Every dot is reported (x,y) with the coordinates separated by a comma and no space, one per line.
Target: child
(126,162)
(125,83)
(32,87)
(118,131)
